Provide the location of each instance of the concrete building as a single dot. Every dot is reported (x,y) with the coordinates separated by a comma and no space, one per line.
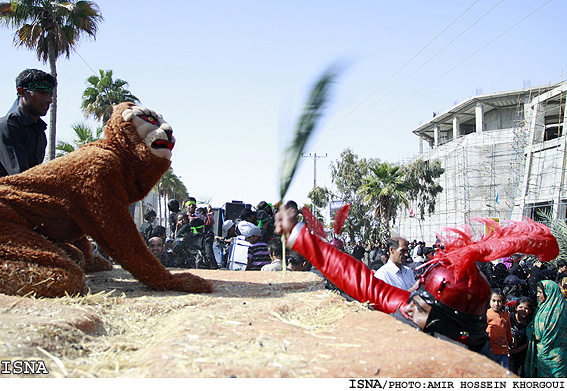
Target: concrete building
(504,156)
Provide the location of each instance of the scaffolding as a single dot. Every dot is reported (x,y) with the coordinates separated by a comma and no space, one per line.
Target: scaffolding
(513,166)
(544,177)
(519,143)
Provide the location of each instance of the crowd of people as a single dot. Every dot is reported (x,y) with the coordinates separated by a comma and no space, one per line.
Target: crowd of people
(523,289)
(522,324)
(191,242)
(511,308)
(487,296)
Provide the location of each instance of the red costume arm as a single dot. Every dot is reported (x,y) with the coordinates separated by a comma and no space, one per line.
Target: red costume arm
(348,274)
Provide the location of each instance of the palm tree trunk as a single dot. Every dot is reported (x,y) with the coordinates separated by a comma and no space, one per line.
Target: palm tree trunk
(53,112)
(384,221)
(160,214)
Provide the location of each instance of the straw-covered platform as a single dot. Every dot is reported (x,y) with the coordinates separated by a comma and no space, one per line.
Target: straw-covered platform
(255,324)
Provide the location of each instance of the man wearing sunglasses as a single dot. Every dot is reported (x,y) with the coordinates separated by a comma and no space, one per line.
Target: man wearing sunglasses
(22,132)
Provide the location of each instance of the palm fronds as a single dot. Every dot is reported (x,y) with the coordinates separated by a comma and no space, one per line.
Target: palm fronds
(84,134)
(304,128)
(558,228)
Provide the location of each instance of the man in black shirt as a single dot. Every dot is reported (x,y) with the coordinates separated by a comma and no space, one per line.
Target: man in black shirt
(22,133)
(358,251)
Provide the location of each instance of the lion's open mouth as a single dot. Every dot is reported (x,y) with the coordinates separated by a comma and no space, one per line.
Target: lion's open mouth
(160,144)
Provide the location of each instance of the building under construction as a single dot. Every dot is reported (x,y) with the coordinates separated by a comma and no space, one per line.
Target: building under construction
(504,155)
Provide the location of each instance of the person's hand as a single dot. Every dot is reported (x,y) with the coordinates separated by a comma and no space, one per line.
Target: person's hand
(415,286)
(285,220)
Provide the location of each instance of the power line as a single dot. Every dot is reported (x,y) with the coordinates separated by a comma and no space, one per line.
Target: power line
(422,65)
(86,63)
(406,64)
(457,65)
(441,76)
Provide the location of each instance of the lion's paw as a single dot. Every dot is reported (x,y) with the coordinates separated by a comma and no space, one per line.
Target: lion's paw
(187,282)
(98,264)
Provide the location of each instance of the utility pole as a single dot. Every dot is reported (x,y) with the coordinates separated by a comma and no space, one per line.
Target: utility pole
(314,156)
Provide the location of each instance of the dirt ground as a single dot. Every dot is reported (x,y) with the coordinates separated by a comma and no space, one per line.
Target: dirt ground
(254,324)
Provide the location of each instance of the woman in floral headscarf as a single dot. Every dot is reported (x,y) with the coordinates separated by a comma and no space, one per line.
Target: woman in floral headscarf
(547,335)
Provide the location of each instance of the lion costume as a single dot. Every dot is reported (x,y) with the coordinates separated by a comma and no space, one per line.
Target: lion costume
(48,211)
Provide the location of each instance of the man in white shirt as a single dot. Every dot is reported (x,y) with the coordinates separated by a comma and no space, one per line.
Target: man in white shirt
(394,272)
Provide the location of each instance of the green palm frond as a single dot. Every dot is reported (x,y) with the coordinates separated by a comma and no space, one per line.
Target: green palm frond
(102,93)
(63,148)
(558,228)
(385,189)
(307,123)
(171,186)
(64,21)
(386,181)
(84,135)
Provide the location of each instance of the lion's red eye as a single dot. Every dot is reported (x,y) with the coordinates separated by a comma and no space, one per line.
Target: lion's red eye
(150,119)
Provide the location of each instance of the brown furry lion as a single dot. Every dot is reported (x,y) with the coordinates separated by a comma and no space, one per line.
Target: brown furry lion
(47,212)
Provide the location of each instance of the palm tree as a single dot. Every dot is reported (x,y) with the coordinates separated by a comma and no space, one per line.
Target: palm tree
(103,93)
(170,186)
(385,187)
(347,175)
(52,28)
(85,134)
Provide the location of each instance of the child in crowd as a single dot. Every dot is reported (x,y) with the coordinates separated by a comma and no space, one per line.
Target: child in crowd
(498,328)
(519,321)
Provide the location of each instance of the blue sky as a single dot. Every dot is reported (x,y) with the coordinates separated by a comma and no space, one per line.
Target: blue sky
(231,76)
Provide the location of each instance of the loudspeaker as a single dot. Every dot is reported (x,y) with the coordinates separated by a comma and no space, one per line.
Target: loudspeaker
(233,210)
(219,220)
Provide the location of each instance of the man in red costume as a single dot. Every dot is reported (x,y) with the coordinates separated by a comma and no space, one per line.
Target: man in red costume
(452,296)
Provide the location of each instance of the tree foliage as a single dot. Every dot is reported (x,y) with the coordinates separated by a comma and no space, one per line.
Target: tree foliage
(171,186)
(347,175)
(84,135)
(421,176)
(319,197)
(41,23)
(385,189)
(377,191)
(103,93)
(558,228)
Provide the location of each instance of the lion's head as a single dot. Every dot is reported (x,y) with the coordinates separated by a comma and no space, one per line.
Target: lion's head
(156,133)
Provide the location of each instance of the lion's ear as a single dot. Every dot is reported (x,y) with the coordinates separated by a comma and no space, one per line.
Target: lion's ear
(127,115)
(126,108)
